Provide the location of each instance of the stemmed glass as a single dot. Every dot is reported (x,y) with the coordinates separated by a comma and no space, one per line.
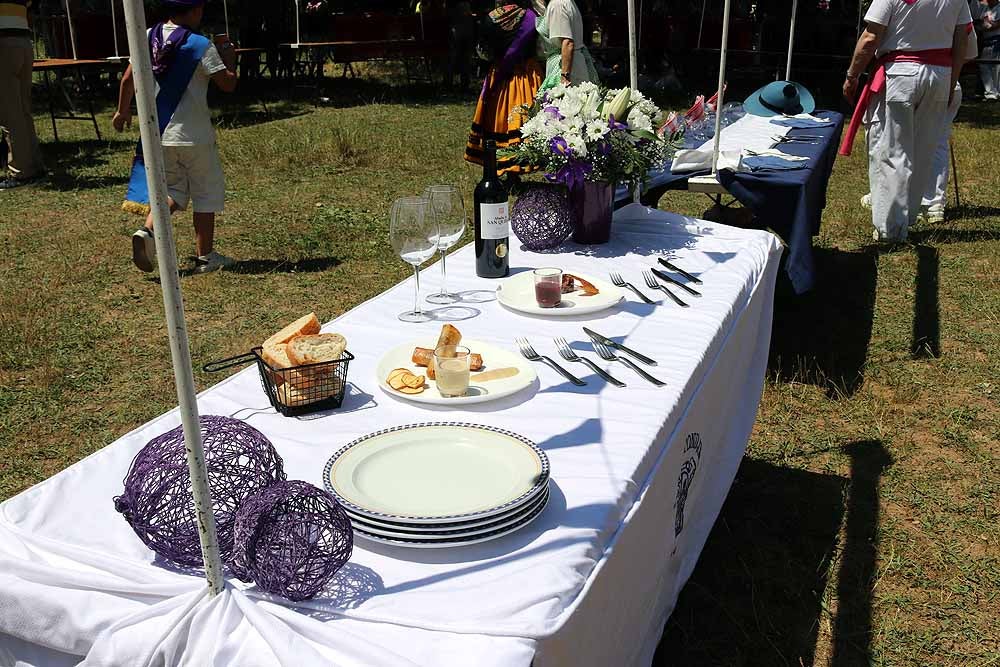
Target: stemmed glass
(413,232)
(449,211)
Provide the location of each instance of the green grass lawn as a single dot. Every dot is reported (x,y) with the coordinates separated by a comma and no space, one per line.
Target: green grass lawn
(862,528)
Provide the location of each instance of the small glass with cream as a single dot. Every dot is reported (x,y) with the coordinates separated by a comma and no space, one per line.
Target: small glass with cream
(548,287)
(451,370)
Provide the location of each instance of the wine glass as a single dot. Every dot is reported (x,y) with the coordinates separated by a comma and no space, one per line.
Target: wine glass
(449,210)
(413,232)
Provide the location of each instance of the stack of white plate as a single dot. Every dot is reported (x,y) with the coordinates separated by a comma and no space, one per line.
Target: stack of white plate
(439,485)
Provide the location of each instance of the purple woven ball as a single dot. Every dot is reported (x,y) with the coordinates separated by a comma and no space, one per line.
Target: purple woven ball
(158,503)
(291,538)
(542,217)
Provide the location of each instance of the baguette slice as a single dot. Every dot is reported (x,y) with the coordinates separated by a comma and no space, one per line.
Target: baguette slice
(304,326)
(316,348)
(276,356)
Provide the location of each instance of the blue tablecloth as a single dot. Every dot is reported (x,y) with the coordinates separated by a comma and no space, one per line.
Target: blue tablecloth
(789,202)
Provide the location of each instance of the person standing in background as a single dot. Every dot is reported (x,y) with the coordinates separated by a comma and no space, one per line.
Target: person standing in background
(511,83)
(16,59)
(990,72)
(461,35)
(921,47)
(562,47)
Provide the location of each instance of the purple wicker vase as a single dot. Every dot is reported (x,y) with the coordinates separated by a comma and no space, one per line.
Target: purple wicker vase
(541,218)
(291,538)
(157,501)
(592,210)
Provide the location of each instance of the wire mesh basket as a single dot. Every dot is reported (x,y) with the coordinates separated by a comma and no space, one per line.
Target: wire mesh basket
(298,390)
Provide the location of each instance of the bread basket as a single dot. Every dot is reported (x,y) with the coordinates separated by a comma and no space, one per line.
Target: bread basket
(298,390)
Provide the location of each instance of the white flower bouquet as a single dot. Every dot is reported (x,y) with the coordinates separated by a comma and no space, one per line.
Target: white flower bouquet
(587,133)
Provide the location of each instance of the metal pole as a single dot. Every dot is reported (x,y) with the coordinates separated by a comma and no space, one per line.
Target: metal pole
(791,40)
(701,23)
(114,27)
(298,38)
(722,83)
(633,72)
(225,13)
(135,23)
(72,35)
(954,171)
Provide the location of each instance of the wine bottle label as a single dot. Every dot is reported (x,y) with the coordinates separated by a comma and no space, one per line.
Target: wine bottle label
(495,220)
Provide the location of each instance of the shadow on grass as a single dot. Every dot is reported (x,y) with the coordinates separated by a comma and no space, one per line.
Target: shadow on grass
(72,163)
(262,266)
(926,341)
(822,337)
(852,629)
(980,114)
(755,597)
(938,235)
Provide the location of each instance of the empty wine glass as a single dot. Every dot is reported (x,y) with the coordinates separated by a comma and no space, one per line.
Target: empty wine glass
(413,233)
(449,210)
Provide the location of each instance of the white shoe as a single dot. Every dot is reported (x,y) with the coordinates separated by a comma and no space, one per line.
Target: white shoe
(866,201)
(143,250)
(991,96)
(213,261)
(934,215)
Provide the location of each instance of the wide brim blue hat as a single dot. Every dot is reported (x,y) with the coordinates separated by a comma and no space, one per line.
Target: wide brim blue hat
(780,98)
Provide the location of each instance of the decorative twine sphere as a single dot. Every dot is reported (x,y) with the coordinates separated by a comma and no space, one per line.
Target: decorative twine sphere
(542,217)
(158,503)
(291,538)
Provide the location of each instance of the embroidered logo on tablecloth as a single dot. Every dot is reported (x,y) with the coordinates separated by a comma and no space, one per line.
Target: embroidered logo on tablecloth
(692,446)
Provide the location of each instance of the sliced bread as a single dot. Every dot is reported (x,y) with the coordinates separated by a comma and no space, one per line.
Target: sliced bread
(304,326)
(316,348)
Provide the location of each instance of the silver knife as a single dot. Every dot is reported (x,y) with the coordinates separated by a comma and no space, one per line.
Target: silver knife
(674,267)
(662,276)
(618,346)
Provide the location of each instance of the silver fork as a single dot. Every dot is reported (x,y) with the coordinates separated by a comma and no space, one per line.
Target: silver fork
(653,283)
(567,353)
(617,279)
(604,352)
(529,353)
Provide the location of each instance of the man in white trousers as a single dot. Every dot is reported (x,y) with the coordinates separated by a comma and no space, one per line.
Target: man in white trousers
(921,47)
(935,196)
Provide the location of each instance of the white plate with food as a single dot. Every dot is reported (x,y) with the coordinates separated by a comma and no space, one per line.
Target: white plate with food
(582,294)
(442,472)
(406,371)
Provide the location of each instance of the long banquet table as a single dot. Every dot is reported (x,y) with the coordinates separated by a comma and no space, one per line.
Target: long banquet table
(790,203)
(639,475)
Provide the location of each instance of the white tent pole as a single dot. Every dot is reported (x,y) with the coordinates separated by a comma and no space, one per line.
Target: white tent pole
(135,23)
(791,41)
(225,13)
(701,23)
(114,27)
(298,37)
(633,70)
(72,35)
(722,83)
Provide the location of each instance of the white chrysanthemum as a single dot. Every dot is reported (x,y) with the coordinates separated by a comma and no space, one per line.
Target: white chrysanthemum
(596,131)
(578,145)
(637,120)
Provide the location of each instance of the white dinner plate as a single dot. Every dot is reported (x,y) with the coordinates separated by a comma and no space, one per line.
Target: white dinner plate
(425,533)
(441,472)
(479,392)
(518,293)
(458,542)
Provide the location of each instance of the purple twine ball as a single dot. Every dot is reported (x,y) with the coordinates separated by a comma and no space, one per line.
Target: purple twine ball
(542,217)
(291,538)
(158,502)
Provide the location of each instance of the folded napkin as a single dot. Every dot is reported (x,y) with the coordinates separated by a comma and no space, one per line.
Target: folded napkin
(801,121)
(699,159)
(771,160)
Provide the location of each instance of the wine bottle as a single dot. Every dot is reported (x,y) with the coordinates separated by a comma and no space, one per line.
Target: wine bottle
(492,219)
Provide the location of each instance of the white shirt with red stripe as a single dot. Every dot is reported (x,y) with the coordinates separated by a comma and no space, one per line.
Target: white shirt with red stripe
(920,25)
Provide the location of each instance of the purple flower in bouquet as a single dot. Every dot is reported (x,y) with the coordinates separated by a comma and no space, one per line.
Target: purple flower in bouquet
(559,146)
(554,112)
(615,125)
(603,148)
(572,175)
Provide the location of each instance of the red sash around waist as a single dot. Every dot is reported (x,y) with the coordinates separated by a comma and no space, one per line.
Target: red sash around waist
(940,57)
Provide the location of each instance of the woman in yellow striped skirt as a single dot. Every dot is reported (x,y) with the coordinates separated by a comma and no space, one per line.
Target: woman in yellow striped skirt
(512,81)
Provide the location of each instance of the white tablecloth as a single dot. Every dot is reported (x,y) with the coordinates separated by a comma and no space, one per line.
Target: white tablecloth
(638,477)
